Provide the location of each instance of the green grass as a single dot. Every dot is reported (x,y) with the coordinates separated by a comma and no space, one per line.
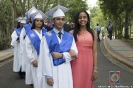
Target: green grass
(129,41)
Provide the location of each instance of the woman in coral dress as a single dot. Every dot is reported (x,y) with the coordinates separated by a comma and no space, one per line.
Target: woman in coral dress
(84,67)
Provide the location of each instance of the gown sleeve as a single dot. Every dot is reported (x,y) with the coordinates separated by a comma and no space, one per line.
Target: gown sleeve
(67,56)
(14,38)
(29,50)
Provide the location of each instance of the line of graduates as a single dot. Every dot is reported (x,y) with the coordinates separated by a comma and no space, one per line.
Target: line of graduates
(15,43)
(45,56)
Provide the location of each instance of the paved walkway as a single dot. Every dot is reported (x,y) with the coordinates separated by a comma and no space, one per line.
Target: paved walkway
(6,54)
(120,51)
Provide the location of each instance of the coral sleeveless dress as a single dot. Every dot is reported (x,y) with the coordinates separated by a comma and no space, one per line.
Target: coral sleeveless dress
(82,66)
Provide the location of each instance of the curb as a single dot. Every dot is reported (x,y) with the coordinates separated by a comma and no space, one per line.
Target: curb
(116,57)
(6,57)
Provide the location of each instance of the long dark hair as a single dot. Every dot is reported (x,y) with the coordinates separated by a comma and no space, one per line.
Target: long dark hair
(77,26)
(18,25)
(33,24)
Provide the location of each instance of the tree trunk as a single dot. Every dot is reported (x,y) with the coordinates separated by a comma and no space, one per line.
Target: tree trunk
(130,31)
(119,28)
(15,9)
(12,11)
(126,25)
(23,7)
(120,25)
(115,28)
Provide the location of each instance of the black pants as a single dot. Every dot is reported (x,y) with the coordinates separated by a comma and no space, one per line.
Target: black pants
(98,36)
(21,74)
(110,35)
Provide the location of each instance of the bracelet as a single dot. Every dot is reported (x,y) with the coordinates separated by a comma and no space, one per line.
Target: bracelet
(96,71)
(95,67)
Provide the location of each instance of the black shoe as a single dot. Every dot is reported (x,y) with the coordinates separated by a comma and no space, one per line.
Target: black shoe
(21,75)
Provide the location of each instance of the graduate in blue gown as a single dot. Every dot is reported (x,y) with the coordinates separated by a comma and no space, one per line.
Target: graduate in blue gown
(15,43)
(62,49)
(33,40)
(25,29)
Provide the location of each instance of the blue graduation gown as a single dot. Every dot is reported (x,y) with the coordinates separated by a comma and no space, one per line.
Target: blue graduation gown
(54,45)
(35,40)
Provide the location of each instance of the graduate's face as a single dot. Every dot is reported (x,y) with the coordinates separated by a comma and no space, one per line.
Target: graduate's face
(59,22)
(83,19)
(38,22)
(21,24)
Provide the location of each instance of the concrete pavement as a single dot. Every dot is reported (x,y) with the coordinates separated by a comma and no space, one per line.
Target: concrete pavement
(6,54)
(120,51)
(9,79)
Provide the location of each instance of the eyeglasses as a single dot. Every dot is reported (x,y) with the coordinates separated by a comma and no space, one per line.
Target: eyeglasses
(39,20)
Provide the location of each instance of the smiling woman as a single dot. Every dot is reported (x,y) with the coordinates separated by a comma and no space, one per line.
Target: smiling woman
(84,67)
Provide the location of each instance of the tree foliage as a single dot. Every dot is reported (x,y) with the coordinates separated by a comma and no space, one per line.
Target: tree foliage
(97,16)
(5,22)
(11,9)
(75,6)
(119,11)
